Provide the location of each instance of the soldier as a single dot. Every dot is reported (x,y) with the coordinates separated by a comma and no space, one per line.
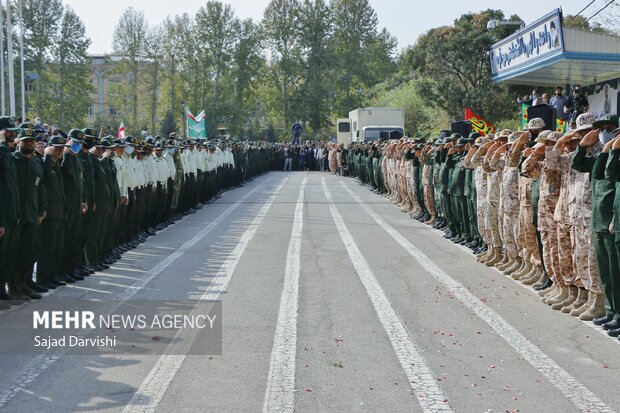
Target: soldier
(31,213)
(9,205)
(101,212)
(591,157)
(86,224)
(49,266)
(75,205)
(110,224)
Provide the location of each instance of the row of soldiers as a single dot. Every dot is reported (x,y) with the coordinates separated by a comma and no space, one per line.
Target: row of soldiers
(89,198)
(539,205)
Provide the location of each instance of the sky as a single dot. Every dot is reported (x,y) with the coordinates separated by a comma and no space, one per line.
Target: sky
(404,19)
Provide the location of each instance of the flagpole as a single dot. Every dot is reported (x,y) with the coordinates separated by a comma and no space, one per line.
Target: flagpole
(9,46)
(21,59)
(2,91)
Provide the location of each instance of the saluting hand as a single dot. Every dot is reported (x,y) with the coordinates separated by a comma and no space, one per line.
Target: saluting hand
(590,139)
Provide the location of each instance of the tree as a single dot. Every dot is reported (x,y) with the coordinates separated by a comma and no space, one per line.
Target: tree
(152,78)
(248,61)
(355,34)
(216,32)
(454,64)
(71,71)
(168,125)
(279,24)
(130,42)
(315,38)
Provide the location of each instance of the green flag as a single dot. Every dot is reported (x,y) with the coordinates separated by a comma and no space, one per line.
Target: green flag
(196,125)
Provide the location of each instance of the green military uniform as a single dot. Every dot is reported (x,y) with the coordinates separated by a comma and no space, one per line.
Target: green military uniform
(49,266)
(31,207)
(9,209)
(73,180)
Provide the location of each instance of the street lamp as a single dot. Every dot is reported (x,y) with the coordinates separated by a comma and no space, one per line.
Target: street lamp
(492,24)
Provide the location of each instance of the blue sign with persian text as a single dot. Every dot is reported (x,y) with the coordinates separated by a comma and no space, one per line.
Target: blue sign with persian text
(536,41)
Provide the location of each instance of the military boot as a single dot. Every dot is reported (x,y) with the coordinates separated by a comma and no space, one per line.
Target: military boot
(526,271)
(559,297)
(511,271)
(518,271)
(590,296)
(542,280)
(572,296)
(505,260)
(582,297)
(495,258)
(554,289)
(485,256)
(596,309)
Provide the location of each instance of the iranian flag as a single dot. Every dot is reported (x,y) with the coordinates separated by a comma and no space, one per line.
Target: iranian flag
(121,131)
(196,125)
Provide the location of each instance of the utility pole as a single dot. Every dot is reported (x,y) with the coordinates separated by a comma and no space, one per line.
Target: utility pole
(2,91)
(9,45)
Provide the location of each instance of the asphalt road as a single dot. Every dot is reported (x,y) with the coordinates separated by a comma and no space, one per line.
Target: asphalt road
(333,300)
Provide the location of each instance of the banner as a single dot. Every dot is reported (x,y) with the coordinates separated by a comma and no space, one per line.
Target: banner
(196,125)
(478,124)
(524,118)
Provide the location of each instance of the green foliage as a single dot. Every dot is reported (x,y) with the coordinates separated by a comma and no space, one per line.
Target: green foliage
(168,125)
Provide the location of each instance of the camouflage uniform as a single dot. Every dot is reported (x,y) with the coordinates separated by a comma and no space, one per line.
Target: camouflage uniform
(509,204)
(428,189)
(527,231)
(550,181)
(482,196)
(492,222)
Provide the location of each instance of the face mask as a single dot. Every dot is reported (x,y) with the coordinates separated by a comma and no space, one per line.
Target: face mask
(128,150)
(76,147)
(171,151)
(605,136)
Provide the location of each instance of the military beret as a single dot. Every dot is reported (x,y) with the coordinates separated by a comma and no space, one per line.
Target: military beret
(25,134)
(57,140)
(76,135)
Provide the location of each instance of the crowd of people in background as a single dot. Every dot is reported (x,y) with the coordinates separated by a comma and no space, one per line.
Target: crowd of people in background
(567,108)
(539,205)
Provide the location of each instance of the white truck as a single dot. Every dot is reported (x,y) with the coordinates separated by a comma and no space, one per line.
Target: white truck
(371,124)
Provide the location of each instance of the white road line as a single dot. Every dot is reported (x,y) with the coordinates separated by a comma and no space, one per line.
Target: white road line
(582,397)
(35,367)
(280,393)
(421,379)
(156,383)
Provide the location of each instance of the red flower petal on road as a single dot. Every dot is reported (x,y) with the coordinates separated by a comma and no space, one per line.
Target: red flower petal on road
(155,338)
(308,389)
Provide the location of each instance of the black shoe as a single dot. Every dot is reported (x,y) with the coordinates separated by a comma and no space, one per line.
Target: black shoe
(76,277)
(613,333)
(104,266)
(98,267)
(17,294)
(49,285)
(57,282)
(546,285)
(36,286)
(602,320)
(611,325)
(67,278)
(448,234)
(24,289)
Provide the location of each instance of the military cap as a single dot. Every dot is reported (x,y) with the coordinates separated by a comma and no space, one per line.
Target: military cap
(172,143)
(89,133)
(173,135)
(586,121)
(444,133)
(603,120)
(545,136)
(8,123)
(107,142)
(535,123)
(120,142)
(149,142)
(481,141)
(513,137)
(130,140)
(25,134)
(159,145)
(420,146)
(461,141)
(474,135)
(57,140)
(76,135)
(505,133)
(439,141)
(453,137)
(26,125)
